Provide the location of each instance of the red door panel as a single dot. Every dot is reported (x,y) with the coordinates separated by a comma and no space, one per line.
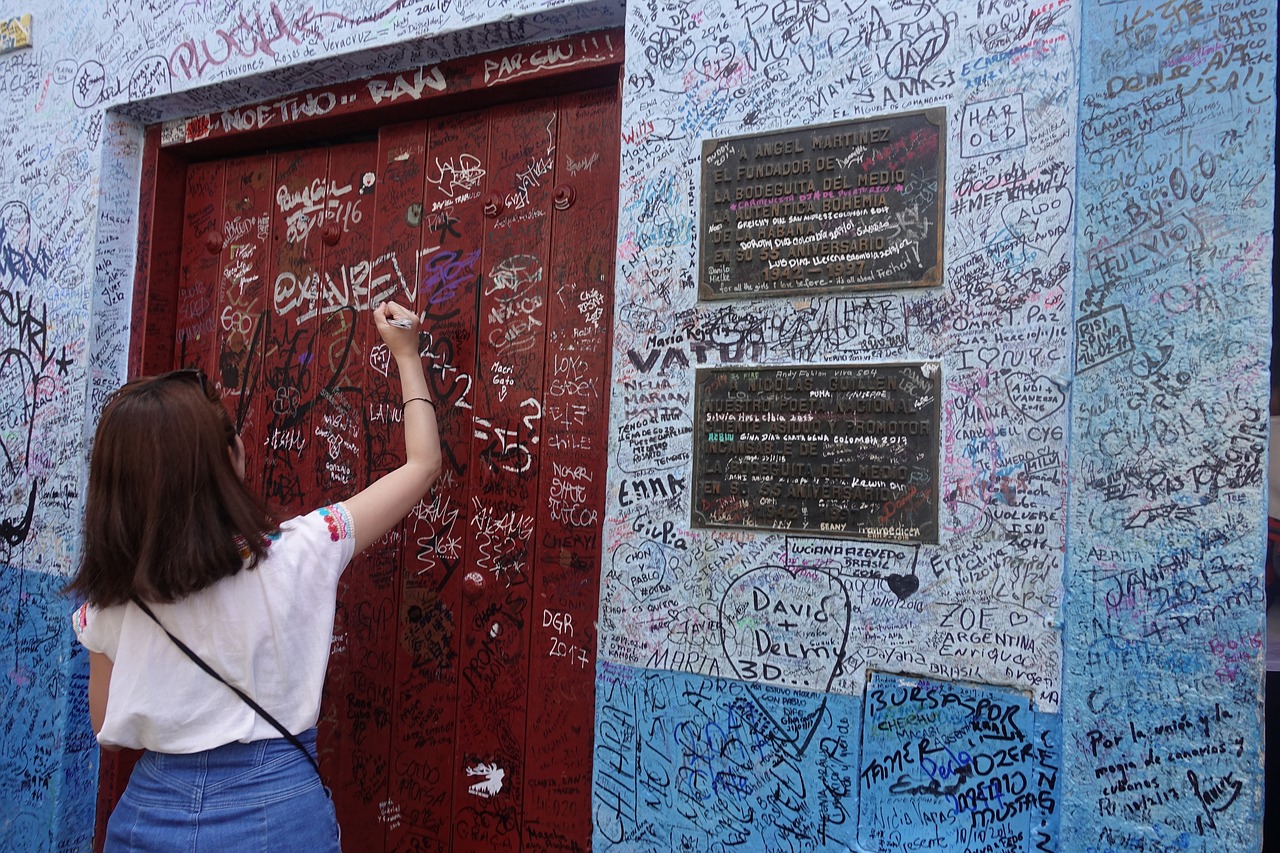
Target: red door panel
(489,765)
(290,385)
(397,186)
(446,214)
(561,689)
(358,684)
(242,311)
(201,268)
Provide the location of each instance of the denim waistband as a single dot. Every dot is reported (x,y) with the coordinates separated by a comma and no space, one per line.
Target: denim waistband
(232,774)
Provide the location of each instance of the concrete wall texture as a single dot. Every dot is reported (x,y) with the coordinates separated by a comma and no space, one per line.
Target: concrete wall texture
(1074,666)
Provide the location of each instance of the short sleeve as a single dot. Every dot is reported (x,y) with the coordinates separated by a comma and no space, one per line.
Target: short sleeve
(322,540)
(98,630)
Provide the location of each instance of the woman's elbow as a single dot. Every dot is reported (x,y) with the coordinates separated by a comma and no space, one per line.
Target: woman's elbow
(433,470)
(427,471)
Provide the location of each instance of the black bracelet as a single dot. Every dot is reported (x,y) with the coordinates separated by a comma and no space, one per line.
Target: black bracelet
(427,400)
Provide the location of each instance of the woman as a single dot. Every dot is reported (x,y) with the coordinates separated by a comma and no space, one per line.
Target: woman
(171,529)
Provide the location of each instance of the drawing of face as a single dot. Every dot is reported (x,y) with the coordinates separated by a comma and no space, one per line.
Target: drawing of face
(15,228)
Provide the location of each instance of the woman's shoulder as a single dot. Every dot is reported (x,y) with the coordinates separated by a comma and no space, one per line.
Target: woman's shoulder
(320,540)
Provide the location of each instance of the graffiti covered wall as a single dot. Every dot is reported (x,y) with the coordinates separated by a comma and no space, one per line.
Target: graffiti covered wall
(1072,665)
(886,694)
(1169,426)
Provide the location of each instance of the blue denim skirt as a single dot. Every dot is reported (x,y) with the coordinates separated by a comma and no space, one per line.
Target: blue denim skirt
(255,796)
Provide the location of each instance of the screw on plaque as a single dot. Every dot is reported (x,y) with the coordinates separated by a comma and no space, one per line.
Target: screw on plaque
(213,243)
(565,196)
(493,205)
(331,234)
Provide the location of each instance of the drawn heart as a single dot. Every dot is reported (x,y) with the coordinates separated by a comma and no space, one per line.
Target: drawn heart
(380,359)
(903,586)
(640,572)
(789,629)
(1037,397)
(988,354)
(1041,220)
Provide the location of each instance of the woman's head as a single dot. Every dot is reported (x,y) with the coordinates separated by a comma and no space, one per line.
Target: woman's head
(166,513)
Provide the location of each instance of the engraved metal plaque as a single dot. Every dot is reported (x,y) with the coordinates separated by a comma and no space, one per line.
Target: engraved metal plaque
(835,450)
(856,205)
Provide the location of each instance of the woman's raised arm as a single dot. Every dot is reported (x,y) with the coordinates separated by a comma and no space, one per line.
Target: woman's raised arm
(387,500)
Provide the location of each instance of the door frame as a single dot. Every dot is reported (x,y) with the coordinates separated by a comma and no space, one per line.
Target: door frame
(317,116)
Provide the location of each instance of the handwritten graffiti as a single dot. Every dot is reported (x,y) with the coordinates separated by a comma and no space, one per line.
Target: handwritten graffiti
(457,176)
(361,286)
(516,315)
(510,450)
(261,32)
(502,543)
(402,85)
(30,360)
(561,55)
(312,206)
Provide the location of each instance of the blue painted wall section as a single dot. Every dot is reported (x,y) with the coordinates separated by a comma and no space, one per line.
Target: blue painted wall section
(1169,426)
(48,756)
(1073,666)
(685,762)
(949,766)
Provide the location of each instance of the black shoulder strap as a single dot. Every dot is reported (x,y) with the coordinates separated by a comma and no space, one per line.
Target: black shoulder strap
(252,704)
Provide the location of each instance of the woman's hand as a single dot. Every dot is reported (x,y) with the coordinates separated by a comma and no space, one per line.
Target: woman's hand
(398,327)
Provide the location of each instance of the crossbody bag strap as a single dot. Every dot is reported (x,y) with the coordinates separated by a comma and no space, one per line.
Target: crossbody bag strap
(248,701)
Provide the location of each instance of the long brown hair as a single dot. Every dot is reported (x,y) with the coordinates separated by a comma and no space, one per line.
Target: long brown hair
(166,514)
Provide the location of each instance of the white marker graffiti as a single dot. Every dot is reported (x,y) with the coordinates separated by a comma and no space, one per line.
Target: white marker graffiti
(317,203)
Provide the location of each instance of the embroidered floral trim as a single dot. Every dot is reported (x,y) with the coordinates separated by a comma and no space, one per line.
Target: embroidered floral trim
(338,520)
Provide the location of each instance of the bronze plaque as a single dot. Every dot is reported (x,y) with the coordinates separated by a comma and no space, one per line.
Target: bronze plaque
(835,450)
(850,206)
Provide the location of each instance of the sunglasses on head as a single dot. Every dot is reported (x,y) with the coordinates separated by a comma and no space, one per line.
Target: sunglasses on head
(188,374)
(197,377)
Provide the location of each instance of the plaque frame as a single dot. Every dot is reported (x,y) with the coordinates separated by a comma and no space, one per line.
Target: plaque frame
(716,153)
(927,387)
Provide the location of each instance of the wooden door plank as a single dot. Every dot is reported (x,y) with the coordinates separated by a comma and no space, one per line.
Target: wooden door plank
(243,300)
(566,583)
(289,385)
(358,683)
(196,328)
(447,225)
(159,259)
(397,184)
(489,770)
(288,345)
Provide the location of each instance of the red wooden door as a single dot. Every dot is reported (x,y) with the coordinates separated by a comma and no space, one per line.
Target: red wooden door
(457,712)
